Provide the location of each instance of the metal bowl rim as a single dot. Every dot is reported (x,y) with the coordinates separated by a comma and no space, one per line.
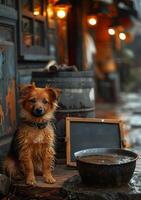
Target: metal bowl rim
(79,155)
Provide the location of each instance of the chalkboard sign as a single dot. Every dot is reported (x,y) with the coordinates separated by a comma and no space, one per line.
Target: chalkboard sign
(83,133)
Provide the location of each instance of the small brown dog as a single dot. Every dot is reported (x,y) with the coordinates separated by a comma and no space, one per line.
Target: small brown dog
(32,148)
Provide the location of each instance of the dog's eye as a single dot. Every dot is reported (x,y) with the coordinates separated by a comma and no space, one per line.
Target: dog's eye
(45,101)
(32,100)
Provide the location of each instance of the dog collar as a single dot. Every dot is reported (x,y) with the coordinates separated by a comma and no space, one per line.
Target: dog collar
(39,125)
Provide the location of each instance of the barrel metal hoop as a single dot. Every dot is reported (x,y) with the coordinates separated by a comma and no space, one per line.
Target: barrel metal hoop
(75,110)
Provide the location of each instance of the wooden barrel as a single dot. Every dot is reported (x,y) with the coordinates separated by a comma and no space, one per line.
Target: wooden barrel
(77,98)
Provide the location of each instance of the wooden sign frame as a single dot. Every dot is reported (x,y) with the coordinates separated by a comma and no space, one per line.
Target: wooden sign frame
(89,120)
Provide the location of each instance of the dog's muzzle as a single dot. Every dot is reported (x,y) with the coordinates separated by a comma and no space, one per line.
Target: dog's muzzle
(38,112)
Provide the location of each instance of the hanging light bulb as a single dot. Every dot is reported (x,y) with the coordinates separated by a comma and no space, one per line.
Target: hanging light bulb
(61,13)
(122,36)
(92,20)
(61,7)
(111,31)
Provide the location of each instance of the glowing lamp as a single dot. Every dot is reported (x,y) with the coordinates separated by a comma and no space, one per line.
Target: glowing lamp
(61,7)
(36,12)
(92,20)
(111,31)
(61,13)
(122,36)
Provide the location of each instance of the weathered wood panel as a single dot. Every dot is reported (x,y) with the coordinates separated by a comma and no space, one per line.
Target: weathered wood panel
(8,17)
(7,89)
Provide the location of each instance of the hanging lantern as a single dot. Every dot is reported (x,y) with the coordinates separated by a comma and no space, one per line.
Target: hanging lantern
(62,7)
(61,13)
(92,20)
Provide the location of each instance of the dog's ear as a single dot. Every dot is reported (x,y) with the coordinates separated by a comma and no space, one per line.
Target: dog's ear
(26,89)
(53,92)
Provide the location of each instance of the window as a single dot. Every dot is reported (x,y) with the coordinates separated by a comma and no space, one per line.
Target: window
(27,32)
(33,29)
(33,23)
(39,34)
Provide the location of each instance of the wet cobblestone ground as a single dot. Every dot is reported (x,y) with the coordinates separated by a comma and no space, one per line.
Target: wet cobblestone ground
(129,111)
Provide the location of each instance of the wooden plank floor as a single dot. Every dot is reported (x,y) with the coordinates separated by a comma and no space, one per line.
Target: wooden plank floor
(61,173)
(43,190)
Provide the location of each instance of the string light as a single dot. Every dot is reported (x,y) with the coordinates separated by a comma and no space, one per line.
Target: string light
(92,21)
(111,31)
(122,36)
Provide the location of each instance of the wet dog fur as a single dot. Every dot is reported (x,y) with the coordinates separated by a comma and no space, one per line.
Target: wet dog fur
(32,148)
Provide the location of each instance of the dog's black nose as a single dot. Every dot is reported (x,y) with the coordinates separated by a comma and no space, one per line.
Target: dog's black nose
(38,112)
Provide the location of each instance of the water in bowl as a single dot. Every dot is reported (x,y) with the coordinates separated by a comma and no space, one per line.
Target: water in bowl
(108,159)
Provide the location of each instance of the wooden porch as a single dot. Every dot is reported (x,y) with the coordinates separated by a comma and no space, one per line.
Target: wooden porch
(41,190)
(62,190)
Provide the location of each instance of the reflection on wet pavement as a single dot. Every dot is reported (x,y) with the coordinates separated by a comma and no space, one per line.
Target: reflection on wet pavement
(135,183)
(129,111)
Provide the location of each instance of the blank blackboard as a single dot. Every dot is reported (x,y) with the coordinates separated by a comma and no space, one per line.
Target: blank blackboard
(83,133)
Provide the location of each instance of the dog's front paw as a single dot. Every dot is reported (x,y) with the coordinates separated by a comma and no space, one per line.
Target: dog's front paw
(30,181)
(49,179)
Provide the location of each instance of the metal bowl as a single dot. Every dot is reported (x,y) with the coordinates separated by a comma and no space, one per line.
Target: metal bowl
(106,167)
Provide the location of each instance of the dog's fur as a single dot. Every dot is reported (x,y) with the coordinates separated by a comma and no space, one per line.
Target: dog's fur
(32,148)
